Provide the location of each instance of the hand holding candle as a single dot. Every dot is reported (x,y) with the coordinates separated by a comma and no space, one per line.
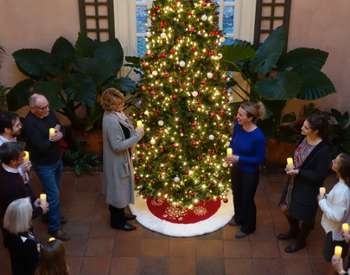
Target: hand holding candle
(139,124)
(337,251)
(43,199)
(229,152)
(290,164)
(26,156)
(52,133)
(322,191)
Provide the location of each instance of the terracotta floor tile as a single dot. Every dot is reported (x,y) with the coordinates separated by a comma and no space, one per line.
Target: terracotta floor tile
(300,266)
(154,266)
(179,247)
(315,249)
(299,254)
(319,266)
(263,233)
(74,264)
(102,230)
(238,267)
(217,235)
(127,248)
(100,247)
(181,266)
(75,248)
(96,265)
(209,248)
(154,247)
(268,267)
(229,232)
(265,249)
(237,249)
(125,266)
(210,266)
(77,230)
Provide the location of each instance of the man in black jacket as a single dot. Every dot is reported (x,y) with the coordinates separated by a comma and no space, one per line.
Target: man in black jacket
(42,132)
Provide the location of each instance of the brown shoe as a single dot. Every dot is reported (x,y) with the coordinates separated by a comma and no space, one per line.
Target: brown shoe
(60,235)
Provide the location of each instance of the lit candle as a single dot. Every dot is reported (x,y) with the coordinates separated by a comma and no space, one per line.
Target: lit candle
(337,251)
(290,163)
(322,191)
(229,151)
(345,227)
(43,198)
(51,239)
(26,156)
(52,132)
(139,124)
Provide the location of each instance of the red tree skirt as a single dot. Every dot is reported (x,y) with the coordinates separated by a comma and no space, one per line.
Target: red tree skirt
(165,211)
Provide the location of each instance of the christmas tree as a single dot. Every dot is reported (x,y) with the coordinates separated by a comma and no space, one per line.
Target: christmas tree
(185,107)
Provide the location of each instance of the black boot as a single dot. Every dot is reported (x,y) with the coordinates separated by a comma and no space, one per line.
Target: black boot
(118,220)
(300,241)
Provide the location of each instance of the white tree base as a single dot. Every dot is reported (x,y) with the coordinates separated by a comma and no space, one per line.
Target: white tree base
(145,217)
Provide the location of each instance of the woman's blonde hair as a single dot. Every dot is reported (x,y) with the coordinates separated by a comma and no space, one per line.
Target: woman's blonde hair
(256,110)
(18,216)
(108,98)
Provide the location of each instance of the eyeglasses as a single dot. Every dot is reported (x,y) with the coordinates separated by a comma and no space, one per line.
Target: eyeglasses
(42,108)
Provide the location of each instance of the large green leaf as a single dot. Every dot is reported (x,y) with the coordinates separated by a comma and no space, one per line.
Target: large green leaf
(303,57)
(99,70)
(286,86)
(85,46)
(19,95)
(35,63)
(316,84)
(269,52)
(239,51)
(51,90)
(111,51)
(81,88)
(63,50)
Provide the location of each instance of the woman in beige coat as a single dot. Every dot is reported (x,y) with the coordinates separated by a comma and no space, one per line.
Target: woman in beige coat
(119,136)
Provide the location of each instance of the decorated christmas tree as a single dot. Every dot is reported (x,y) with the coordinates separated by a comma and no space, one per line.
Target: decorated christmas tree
(185,107)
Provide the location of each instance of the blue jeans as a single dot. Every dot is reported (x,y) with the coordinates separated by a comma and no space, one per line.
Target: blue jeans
(50,176)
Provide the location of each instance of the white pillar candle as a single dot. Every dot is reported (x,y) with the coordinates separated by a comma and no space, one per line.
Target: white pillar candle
(345,227)
(52,132)
(337,251)
(43,198)
(229,152)
(322,191)
(26,156)
(290,163)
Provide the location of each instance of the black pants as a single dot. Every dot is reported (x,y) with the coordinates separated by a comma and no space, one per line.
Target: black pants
(300,229)
(244,188)
(329,246)
(117,216)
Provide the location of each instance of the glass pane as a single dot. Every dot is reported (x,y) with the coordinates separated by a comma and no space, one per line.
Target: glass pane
(228,20)
(228,41)
(141,19)
(229,1)
(141,46)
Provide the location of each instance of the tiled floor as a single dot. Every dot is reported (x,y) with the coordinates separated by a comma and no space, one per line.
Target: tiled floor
(97,249)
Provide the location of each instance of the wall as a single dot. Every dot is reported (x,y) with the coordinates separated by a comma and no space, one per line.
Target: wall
(324,24)
(34,24)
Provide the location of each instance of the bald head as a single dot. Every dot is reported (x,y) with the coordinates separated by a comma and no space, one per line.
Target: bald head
(39,105)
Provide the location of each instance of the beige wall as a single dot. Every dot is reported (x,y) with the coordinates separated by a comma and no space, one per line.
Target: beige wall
(324,24)
(34,24)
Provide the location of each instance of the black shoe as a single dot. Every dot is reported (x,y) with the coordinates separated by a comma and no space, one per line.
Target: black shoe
(294,247)
(286,236)
(126,227)
(129,217)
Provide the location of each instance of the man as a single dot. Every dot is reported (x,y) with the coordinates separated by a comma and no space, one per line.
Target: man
(10,129)
(45,156)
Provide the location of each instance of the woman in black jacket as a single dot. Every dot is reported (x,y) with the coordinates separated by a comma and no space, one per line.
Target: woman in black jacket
(312,160)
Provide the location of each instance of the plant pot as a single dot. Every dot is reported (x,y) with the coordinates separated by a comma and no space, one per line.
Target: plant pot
(277,152)
(92,140)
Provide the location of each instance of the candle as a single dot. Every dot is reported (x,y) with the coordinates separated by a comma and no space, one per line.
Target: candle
(139,124)
(229,151)
(337,251)
(43,198)
(51,239)
(26,156)
(345,227)
(322,191)
(290,163)
(52,132)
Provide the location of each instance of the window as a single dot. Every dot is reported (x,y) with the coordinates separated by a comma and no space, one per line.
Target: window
(236,20)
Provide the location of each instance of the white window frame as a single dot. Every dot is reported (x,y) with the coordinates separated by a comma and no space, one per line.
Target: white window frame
(125,21)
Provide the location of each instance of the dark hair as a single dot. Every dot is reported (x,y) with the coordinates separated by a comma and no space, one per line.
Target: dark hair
(344,167)
(52,259)
(10,151)
(319,122)
(7,120)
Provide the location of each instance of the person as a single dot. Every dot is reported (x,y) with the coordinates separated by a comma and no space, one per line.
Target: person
(12,186)
(312,159)
(20,240)
(248,145)
(336,207)
(10,130)
(337,263)
(46,157)
(52,260)
(119,136)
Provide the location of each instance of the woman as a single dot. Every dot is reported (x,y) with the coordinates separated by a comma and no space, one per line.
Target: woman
(312,159)
(119,136)
(248,145)
(52,259)
(20,240)
(335,207)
